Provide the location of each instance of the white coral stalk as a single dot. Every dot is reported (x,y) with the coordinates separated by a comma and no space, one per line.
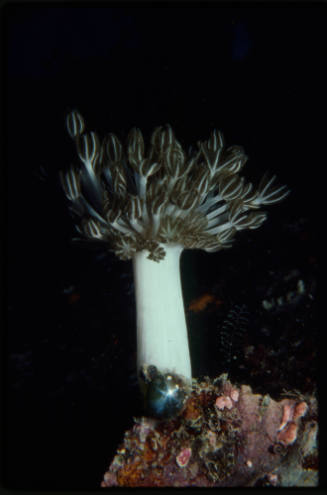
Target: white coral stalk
(162,338)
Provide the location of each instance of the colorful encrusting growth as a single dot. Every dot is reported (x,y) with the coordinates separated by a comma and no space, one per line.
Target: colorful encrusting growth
(226,436)
(148,205)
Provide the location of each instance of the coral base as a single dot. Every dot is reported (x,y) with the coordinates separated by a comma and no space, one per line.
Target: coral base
(225,436)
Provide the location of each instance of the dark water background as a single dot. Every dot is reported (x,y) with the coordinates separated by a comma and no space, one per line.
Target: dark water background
(256,73)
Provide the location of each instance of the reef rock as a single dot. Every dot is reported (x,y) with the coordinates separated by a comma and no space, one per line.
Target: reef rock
(225,436)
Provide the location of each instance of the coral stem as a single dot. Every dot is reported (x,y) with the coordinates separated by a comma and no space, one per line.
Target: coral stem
(162,338)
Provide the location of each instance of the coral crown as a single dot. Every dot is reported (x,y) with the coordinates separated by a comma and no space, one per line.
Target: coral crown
(137,201)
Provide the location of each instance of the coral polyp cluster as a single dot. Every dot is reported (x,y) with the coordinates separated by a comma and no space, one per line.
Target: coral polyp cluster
(136,199)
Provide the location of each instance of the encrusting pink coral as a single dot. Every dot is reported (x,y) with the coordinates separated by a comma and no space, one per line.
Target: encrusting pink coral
(288,412)
(235,394)
(287,431)
(288,435)
(223,401)
(300,410)
(230,396)
(183,457)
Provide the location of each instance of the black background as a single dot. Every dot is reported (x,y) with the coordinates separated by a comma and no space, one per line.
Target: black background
(256,72)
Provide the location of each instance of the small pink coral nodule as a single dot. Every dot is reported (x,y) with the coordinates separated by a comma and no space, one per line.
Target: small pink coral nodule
(183,457)
(300,410)
(235,394)
(288,435)
(224,401)
(287,416)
